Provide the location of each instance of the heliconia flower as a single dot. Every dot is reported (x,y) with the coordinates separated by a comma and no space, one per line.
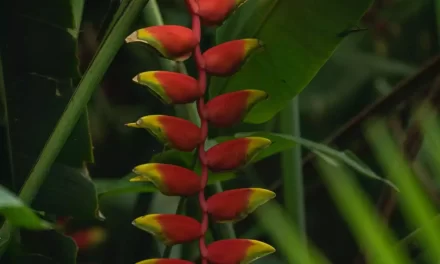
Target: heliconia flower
(235,205)
(169,179)
(171,41)
(214,12)
(237,251)
(164,261)
(171,229)
(174,132)
(230,108)
(235,153)
(226,59)
(170,87)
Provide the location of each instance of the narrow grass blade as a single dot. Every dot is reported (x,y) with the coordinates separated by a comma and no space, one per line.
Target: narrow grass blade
(376,240)
(415,205)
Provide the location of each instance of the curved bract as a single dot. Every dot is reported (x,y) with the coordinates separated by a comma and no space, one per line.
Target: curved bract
(170,179)
(174,132)
(227,58)
(241,251)
(170,41)
(236,153)
(235,205)
(229,109)
(171,229)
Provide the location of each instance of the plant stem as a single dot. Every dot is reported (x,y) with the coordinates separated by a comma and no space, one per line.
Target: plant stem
(79,101)
(291,164)
(5,118)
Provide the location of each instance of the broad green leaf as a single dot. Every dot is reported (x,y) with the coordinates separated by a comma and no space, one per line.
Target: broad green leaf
(17,213)
(330,155)
(38,91)
(52,245)
(67,191)
(299,37)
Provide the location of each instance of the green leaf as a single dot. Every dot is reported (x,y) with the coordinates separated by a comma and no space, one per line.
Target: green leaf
(330,155)
(19,214)
(62,248)
(38,91)
(299,37)
(415,205)
(281,230)
(67,192)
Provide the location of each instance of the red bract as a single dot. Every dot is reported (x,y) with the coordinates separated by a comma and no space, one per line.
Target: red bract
(174,132)
(88,238)
(214,12)
(169,179)
(164,261)
(226,59)
(171,229)
(237,251)
(236,153)
(235,205)
(228,109)
(171,41)
(170,87)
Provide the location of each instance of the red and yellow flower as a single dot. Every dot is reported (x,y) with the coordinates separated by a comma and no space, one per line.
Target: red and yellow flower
(173,132)
(170,87)
(235,205)
(168,179)
(228,109)
(241,251)
(236,153)
(227,58)
(170,41)
(178,43)
(171,229)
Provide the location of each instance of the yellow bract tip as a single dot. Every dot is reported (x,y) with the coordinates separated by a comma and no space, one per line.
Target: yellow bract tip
(135,125)
(148,223)
(256,96)
(132,37)
(259,197)
(252,45)
(148,261)
(257,250)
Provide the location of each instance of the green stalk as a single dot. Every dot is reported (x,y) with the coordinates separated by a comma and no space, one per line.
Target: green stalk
(291,165)
(78,102)
(437,17)
(5,118)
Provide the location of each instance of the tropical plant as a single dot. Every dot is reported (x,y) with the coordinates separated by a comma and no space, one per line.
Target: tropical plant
(208,195)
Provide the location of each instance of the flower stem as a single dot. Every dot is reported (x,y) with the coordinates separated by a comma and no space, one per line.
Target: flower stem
(196,28)
(292,169)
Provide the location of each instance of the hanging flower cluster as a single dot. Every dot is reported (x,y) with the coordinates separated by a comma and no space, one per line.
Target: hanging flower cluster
(179,43)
